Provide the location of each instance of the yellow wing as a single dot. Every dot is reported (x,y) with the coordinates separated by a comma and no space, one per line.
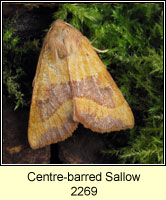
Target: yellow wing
(72,85)
(98,102)
(51,113)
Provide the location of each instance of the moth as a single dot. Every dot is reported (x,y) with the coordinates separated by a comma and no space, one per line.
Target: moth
(73,86)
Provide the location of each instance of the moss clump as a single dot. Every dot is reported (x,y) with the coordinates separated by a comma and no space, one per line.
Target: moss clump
(14,68)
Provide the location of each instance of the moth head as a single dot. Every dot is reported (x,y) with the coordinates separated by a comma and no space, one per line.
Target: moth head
(64,37)
(60,27)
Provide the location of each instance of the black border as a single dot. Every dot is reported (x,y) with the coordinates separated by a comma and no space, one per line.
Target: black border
(90,165)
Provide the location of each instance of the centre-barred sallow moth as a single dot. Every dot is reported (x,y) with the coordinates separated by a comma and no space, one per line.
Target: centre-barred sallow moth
(72,85)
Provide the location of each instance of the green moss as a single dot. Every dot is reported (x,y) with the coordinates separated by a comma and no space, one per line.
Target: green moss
(14,51)
(133,33)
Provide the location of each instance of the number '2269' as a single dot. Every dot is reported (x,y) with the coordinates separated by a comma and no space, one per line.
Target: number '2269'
(83,191)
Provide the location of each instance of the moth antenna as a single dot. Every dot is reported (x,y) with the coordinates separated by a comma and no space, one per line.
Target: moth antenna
(50,29)
(100,51)
(93,40)
(68,24)
(33,82)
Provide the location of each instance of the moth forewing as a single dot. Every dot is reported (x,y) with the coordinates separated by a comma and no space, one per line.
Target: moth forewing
(72,85)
